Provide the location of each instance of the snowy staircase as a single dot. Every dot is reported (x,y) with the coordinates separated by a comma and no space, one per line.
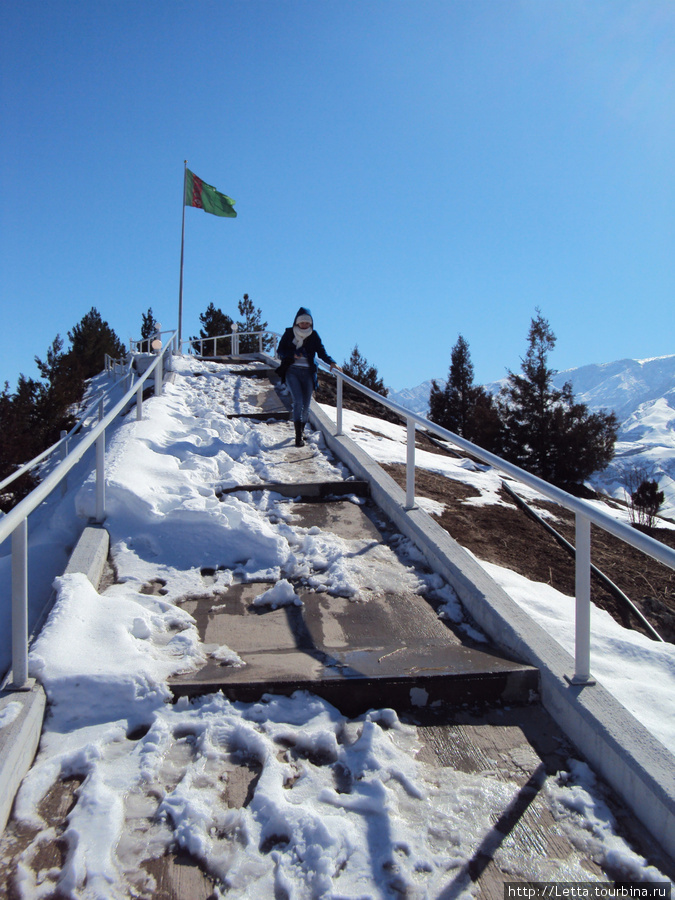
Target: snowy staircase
(384,645)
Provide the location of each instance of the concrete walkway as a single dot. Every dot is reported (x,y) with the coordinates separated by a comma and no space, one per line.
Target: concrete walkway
(386,648)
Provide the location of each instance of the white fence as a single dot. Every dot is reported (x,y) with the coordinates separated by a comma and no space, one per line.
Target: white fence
(211,343)
(15,523)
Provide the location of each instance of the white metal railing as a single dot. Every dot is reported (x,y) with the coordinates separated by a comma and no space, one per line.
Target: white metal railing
(15,523)
(210,343)
(144,345)
(584,512)
(96,407)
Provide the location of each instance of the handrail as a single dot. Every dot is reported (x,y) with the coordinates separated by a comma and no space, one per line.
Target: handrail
(14,523)
(135,345)
(63,440)
(233,337)
(585,512)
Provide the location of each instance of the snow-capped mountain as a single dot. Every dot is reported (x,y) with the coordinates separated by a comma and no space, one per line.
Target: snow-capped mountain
(416,399)
(642,394)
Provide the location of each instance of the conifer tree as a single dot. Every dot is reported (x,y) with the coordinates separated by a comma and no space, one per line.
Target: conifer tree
(463,407)
(215,323)
(32,418)
(63,388)
(20,437)
(91,339)
(360,370)
(148,329)
(251,321)
(546,431)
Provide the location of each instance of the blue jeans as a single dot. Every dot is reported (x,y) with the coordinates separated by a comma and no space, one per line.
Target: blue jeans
(300,383)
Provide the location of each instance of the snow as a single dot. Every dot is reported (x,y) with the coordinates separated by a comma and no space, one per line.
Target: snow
(639,672)
(386,443)
(341,808)
(282,594)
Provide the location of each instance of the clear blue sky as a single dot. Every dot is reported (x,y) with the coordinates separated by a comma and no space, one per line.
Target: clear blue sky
(409,169)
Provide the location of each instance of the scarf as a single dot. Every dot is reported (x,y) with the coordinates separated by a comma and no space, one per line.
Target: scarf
(301,335)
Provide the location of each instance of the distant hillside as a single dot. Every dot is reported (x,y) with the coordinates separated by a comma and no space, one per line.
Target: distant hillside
(642,394)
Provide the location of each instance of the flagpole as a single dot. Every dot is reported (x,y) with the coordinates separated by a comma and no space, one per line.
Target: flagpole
(182,250)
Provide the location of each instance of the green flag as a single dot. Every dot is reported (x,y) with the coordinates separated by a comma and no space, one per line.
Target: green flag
(202,195)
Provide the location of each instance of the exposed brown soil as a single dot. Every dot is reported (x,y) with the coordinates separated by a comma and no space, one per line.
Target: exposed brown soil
(508,536)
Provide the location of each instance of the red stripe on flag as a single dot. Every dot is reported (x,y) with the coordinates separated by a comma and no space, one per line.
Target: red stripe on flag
(197,192)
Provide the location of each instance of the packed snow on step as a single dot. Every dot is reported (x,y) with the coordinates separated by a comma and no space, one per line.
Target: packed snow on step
(338,807)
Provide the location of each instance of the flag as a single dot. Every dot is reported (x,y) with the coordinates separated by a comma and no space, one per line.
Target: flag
(202,195)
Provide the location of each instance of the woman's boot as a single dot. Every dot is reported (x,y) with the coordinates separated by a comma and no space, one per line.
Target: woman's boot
(298,434)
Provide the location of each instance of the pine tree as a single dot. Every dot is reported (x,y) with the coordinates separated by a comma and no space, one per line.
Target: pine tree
(546,431)
(32,418)
(148,329)
(463,407)
(90,340)
(438,404)
(63,389)
(215,323)
(20,437)
(252,321)
(360,370)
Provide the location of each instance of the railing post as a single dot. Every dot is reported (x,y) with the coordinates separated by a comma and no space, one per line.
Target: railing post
(582,584)
(159,377)
(64,453)
(338,417)
(139,403)
(100,478)
(260,342)
(20,605)
(410,466)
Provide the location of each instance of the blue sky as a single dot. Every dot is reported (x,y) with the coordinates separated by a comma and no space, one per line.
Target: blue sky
(409,169)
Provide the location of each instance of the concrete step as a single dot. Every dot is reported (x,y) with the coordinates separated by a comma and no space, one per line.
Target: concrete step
(260,404)
(381,647)
(286,464)
(306,491)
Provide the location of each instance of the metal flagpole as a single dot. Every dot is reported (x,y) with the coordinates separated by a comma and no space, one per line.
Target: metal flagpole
(182,249)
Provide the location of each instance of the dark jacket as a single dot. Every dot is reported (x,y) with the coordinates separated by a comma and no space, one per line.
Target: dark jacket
(311,347)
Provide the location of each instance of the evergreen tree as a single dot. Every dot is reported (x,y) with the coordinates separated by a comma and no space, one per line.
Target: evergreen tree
(63,389)
(20,437)
(438,403)
(148,329)
(214,324)
(90,340)
(32,418)
(463,407)
(460,386)
(251,321)
(545,431)
(645,497)
(360,370)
